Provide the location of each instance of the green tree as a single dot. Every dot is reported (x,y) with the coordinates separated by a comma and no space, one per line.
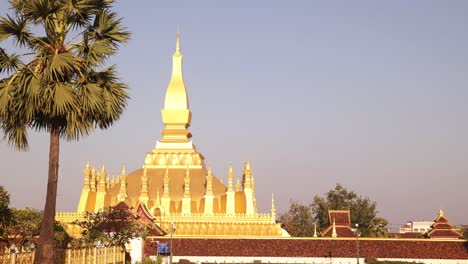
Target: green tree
(25,225)
(5,213)
(363,211)
(60,85)
(112,226)
(298,221)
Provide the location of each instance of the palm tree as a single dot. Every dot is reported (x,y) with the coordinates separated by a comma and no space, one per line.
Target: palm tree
(59,84)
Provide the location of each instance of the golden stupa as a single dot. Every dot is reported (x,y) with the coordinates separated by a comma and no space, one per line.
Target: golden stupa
(174,186)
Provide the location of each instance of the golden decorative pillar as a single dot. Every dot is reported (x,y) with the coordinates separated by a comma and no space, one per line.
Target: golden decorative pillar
(101,190)
(230,194)
(123,185)
(186,200)
(85,191)
(273,209)
(209,197)
(248,191)
(144,197)
(166,199)
(93,180)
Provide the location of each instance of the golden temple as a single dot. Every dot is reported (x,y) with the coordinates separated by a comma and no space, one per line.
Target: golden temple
(174,185)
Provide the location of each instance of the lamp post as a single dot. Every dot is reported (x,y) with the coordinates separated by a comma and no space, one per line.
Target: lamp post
(357,242)
(172,230)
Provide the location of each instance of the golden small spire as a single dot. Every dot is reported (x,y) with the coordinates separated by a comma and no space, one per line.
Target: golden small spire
(334,234)
(315,230)
(230,178)
(87,177)
(209,182)
(93,179)
(103,168)
(187,183)
(441,213)
(273,209)
(144,197)
(166,183)
(123,188)
(238,185)
(177,42)
(124,169)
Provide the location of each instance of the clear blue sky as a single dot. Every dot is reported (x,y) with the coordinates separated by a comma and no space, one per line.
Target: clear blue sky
(369,94)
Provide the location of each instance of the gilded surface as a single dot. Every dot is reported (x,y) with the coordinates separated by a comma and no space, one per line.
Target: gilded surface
(174,185)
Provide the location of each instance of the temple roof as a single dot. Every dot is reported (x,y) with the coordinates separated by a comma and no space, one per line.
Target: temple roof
(340,222)
(442,229)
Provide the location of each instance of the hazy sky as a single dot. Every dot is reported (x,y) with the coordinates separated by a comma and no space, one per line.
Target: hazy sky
(369,94)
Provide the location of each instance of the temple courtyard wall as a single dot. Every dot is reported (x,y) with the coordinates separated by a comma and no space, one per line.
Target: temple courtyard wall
(311,250)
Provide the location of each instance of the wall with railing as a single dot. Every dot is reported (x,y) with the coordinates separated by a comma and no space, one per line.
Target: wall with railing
(88,255)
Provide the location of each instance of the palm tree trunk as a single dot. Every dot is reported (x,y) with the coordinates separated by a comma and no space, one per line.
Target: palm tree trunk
(45,247)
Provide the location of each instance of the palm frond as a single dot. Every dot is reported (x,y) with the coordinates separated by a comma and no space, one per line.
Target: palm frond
(15,27)
(108,26)
(59,66)
(9,63)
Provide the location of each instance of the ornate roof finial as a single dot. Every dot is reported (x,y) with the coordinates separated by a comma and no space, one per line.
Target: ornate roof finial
(334,234)
(315,230)
(230,178)
(178,41)
(238,185)
(441,213)
(103,168)
(124,169)
(273,209)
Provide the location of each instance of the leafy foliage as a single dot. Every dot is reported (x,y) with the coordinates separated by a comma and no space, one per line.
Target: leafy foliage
(60,85)
(300,219)
(26,224)
(5,212)
(363,211)
(112,226)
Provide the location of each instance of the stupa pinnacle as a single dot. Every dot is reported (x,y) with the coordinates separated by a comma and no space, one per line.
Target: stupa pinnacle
(175,149)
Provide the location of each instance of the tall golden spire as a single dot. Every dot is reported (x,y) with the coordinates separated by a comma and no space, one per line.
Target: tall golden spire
(176,117)
(176,114)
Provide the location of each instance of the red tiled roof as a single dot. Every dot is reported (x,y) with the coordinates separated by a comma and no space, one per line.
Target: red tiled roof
(341,217)
(341,231)
(442,229)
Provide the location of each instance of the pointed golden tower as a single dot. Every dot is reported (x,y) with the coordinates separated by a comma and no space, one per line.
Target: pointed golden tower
(100,190)
(144,197)
(123,185)
(248,190)
(230,194)
(86,189)
(176,117)
(273,209)
(209,197)
(93,180)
